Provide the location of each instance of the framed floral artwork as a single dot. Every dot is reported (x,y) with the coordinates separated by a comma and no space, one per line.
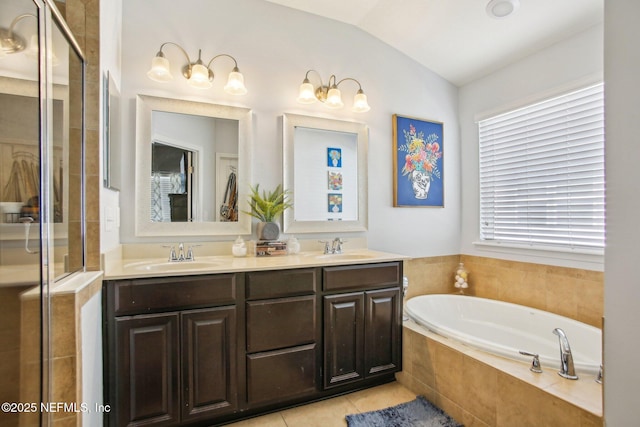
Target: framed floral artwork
(418,175)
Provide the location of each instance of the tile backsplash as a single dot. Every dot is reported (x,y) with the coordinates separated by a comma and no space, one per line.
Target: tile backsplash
(570,292)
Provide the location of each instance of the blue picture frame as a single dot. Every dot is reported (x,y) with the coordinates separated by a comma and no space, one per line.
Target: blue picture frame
(418,162)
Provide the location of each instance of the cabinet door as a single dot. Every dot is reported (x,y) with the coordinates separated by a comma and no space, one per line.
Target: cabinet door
(209,384)
(343,338)
(147,364)
(383,334)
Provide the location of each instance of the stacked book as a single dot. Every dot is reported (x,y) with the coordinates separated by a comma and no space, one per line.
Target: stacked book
(270,248)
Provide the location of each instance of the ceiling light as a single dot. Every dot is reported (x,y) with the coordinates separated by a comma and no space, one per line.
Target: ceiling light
(197,74)
(502,8)
(329,94)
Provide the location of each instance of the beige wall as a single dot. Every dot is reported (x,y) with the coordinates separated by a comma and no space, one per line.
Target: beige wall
(574,293)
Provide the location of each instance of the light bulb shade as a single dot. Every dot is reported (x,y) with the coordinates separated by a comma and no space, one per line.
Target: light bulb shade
(235,83)
(160,71)
(360,104)
(199,77)
(334,98)
(307,93)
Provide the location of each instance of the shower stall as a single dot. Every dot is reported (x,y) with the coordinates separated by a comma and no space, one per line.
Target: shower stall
(42,73)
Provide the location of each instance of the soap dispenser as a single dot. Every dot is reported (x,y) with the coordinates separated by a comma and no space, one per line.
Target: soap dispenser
(293,246)
(239,248)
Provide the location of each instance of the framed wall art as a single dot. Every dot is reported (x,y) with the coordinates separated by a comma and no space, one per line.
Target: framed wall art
(418,175)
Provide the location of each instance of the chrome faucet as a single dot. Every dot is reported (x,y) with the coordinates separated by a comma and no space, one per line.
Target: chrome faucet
(337,245)
(566,359)
(333,247)
(180,256)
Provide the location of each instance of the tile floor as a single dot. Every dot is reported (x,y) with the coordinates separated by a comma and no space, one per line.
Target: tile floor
(332,412)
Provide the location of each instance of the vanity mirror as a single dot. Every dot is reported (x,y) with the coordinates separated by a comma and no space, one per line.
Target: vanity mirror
(193,168)
(325,169)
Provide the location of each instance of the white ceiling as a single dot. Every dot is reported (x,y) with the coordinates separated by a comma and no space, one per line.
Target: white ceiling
(456,38)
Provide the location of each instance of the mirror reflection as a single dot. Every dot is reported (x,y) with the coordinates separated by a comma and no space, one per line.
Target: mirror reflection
(325,169)
(184,167)
(193,170)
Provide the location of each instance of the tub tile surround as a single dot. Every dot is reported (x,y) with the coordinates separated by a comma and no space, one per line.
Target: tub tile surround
(574,293)
(479,389)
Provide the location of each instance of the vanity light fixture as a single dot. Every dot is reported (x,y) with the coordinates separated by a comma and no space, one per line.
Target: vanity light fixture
(12,42)
(197,74)
(502,8)
(329,94)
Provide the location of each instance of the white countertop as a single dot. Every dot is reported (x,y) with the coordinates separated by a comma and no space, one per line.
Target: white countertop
(126,268)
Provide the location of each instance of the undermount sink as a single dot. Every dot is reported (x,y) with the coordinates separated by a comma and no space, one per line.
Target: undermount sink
(172,266)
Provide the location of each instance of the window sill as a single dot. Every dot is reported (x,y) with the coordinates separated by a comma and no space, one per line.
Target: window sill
(595,256)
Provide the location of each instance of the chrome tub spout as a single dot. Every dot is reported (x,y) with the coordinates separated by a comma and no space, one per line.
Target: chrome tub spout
(567,369)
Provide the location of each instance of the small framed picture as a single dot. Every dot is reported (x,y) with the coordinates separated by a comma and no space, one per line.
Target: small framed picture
(335,202)
(334,157)
(335,181)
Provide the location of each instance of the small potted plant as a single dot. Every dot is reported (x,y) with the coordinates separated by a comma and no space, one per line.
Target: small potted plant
(267,207)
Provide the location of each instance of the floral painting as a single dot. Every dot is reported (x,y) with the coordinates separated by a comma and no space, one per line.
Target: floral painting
(335,203)
(335,181)
(334,157)
(418,163)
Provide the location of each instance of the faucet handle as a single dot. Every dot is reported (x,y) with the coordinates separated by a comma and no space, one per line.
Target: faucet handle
(327,246)
(190,256)
(600,375)
(535,363)
(172,253)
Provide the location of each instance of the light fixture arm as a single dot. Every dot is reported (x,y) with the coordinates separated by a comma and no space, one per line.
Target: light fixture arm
(18,19)
(10,42)
(306,77)
(352,79)
(184,52)
(235,63)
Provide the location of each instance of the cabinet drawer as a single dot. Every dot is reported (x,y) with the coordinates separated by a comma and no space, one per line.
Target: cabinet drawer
(281,283)
(148,295)
(281,374)
(282,322)
(364,276)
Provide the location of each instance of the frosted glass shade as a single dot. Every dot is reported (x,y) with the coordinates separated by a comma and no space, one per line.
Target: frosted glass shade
(199,77)
(334,98)
(235,83)
(307,93)
(160,71)
(360,104)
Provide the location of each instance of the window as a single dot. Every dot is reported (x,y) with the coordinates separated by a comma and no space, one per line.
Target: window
(542,173)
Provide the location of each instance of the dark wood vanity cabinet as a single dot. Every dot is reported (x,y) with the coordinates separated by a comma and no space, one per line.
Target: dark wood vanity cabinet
(362,322)
(282,335)
(209,349)
(171,349)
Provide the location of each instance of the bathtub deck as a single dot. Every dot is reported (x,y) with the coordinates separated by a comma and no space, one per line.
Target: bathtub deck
(478,388)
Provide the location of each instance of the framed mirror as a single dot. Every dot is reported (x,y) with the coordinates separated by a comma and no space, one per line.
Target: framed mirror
(193,168)
(112,134)
(325,169)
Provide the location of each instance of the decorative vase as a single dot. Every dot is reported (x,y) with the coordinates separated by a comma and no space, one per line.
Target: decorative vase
(268,230)
(461,278)
(421,182)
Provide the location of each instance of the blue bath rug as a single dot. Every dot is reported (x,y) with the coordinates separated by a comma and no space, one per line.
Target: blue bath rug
(417,413)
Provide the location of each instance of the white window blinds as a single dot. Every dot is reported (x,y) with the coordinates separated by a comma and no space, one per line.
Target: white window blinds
(542,173)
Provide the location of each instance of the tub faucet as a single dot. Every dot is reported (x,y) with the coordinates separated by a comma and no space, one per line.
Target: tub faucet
(566,359)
